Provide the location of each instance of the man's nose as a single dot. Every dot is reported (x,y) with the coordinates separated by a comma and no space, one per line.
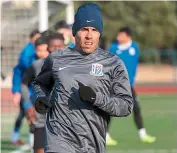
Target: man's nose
(89,35)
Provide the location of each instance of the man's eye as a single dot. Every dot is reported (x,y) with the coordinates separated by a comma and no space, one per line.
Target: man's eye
(83,29)
(95,30)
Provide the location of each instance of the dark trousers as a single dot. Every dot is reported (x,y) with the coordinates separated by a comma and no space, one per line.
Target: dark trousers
(20,117)
(137,111)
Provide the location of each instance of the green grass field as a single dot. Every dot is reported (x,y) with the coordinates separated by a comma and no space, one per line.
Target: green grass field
(159,113)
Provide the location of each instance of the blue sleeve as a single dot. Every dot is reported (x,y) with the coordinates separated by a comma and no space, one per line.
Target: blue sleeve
(16,80)
(25,60)
(136,61)
(17,73)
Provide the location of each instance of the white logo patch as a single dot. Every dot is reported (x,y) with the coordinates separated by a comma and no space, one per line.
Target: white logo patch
(97,70)
(132,51)
(90,20)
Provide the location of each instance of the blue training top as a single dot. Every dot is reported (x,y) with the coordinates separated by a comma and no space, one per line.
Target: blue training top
(27,56)
(129,53)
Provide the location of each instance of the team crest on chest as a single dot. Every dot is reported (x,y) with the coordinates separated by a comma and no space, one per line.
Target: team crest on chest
(97,69)
(132,51)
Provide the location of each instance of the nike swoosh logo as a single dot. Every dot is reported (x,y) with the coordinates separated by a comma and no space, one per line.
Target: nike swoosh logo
(90,20)
(92,98)
(61,68)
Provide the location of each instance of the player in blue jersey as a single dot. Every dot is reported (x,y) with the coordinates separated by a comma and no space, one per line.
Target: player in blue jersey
(128,51)
(26,58)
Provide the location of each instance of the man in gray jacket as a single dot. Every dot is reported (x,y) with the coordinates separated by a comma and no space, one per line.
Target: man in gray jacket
(81,88)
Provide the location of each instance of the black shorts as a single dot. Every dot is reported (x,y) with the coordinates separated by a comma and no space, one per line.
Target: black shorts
(39,138)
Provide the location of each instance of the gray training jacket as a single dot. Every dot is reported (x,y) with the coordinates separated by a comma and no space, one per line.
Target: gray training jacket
(73,125)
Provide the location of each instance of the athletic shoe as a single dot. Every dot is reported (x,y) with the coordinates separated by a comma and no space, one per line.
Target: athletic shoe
(148,139)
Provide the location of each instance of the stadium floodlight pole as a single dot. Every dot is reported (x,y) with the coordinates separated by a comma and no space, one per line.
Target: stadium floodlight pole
(43,15)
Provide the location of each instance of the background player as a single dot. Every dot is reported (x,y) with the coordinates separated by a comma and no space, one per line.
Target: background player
(63,28)
(43,48)
(27,56)
(128,51)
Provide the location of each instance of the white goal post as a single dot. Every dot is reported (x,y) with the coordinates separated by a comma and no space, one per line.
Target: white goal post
(43,13)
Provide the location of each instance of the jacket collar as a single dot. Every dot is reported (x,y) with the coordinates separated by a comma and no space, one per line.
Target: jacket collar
(125,46)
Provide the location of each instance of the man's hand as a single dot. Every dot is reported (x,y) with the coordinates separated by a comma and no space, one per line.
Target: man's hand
(31,115)
(42,105)
(86,93)
(16,98)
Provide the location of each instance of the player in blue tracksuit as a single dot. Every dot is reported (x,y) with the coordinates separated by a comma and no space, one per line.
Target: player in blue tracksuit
(27,56)
(128,51)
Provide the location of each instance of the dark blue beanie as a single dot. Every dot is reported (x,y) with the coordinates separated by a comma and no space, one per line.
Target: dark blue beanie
(88,15)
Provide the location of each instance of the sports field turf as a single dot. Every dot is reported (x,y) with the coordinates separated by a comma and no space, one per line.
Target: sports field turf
(159,113)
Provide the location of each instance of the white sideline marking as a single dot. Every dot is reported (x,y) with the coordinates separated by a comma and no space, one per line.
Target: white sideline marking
(27,147)
(144,151)
(22,149)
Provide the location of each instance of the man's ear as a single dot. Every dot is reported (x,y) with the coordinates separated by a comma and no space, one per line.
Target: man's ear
(101,36)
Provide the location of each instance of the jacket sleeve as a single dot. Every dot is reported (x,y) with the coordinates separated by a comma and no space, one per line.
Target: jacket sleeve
(120,101)
(43,83)
(16,80)
(27,78)
(26,57)
(23,63)
(136,62)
